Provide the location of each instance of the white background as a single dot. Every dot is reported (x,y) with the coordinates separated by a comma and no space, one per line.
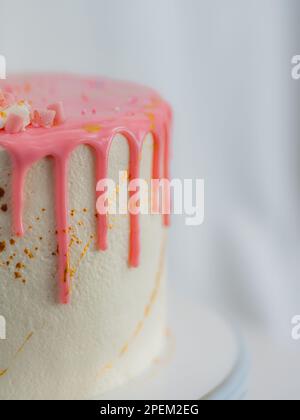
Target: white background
(225,65)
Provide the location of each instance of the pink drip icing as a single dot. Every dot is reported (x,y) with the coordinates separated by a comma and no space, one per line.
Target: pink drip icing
(59,142)
(101,173)
(62,228)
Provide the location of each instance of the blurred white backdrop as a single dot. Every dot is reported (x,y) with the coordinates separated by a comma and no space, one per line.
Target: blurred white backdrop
(225,65)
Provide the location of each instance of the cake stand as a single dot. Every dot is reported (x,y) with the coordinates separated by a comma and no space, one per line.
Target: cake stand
(205,359)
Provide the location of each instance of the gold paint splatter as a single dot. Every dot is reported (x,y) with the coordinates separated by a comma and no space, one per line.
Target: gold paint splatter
(139,328)
(92,128)
(149,307)
(124,350)
(2,246)
(3,372)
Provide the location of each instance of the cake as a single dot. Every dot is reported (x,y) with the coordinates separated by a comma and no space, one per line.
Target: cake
(82,292)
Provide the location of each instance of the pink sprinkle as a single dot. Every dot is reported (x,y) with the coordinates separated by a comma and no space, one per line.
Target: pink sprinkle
(9,89)
(59,112)
(93,84)
(85,98)
(14,124)
(133,100)
(43,118)
(94,111)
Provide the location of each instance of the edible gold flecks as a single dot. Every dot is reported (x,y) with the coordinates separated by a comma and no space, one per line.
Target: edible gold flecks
(92,128)
(20,266)
(151,117)
(28,253)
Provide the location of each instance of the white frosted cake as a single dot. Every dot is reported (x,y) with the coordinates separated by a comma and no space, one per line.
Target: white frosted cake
(82,292)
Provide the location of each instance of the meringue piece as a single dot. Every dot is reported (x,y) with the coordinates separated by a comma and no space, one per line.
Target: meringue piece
(59,111)
(6,100)
(14,124)
(21,109)
(43,118)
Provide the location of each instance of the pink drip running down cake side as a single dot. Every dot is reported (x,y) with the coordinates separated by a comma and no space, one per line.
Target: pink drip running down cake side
(68,111)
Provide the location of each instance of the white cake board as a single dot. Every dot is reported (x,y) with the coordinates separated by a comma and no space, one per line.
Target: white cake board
(204,359)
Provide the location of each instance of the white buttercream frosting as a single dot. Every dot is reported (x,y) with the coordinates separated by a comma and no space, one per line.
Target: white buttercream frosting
(114,327)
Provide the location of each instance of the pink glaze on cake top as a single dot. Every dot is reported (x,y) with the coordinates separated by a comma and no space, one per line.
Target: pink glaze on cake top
(88,111)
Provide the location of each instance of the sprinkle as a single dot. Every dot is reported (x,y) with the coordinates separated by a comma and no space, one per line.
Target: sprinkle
(14,124)
(19,266)
(27,88)
(92,128)
(151,117)
(28,253)
(85,98)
